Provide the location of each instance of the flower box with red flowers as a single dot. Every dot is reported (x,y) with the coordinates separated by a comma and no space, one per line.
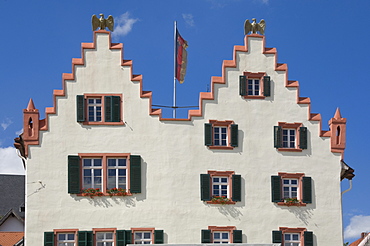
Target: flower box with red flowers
(117,192)
(91,192)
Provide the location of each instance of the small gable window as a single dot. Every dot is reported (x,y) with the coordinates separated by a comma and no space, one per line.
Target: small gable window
(98,109)
(254,85)
(221,134)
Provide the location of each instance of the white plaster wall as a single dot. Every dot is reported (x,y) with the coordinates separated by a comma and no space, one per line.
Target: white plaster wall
(173,157)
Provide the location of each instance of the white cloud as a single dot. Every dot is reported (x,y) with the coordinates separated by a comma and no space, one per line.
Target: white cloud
(123,25)
(19,132)
(189,19)
(7,122)
(358,224)
(10,163)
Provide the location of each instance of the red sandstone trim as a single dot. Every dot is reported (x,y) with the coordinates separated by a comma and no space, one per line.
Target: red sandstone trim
(226,123)
(256,76)
(202,96)
(56,231)
(298,176)
(228,174)
(296,126)
(151,229)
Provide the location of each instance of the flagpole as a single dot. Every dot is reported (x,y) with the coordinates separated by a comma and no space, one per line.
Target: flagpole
(174,75)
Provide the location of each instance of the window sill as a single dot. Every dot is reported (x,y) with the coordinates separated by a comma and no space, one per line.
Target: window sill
(102,123)
(289,149)
(222,203)
(254,97)
(220,147)
(298,204)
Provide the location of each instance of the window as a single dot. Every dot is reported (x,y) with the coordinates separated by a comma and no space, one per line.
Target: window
(143,237)
(254,85)
(221,134)
(66,239)
(221,234)
(220,187)
(104,238)
(99,109)
(288,135)
(104,172)
(293,237)
(291,189)
(147,236)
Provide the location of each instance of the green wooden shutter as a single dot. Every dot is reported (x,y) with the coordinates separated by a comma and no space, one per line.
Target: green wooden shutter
(116,109)
(266,86)
(275,188)
(303,137)
(74,174)
(120,238)
(208,134)
(237,188)
(308,238)
(108,108)
(307,190)
(80,99)
(85,238)
(277,237)
(234,135)
(206,236)
(237,236)
(158,237)
(135,173)
(277,136)
(48,238)
(242,85)
(128,237)
(205,187)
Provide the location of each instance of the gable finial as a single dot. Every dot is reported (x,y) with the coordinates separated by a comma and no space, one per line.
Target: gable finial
(102,23)
(337,114)
(254,27)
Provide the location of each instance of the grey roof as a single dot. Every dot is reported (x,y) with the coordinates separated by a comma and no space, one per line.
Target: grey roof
(11,212)
(12,192)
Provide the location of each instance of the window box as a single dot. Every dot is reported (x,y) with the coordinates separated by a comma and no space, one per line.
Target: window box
(117,192)
(290,137)
(254,85)
(91,192)
(221,134)
(221,200)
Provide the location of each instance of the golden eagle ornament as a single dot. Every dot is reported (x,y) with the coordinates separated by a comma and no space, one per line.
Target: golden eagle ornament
(254,27)
(102,23)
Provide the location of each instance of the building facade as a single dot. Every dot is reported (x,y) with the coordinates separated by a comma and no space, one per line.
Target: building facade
(251,165)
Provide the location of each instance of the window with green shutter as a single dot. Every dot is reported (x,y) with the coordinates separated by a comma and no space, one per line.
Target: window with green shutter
(86,172)
(221,134)
(277,237)
(242,85)
(220,187)
(308,238)
(266,86)
(286,136)
(291,189)
(90,109)
(123,237)
(254,85)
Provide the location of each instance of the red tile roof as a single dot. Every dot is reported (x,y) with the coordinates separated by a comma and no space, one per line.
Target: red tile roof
(10,238)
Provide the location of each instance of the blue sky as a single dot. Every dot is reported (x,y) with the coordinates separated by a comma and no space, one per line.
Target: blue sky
(324,44)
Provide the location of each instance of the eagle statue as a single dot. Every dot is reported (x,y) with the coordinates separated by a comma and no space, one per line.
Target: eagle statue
(254,27)
(102,23)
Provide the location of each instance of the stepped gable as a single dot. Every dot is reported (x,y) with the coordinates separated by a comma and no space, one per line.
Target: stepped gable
(203,95)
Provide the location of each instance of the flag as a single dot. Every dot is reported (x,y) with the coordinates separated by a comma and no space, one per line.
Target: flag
(181,57)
